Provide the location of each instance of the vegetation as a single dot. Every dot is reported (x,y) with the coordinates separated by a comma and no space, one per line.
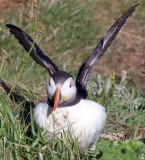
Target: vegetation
(67,32)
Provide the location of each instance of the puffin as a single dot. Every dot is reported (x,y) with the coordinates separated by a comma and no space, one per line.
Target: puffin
(67,106)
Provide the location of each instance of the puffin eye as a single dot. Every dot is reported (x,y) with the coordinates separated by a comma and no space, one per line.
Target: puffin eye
(70,85)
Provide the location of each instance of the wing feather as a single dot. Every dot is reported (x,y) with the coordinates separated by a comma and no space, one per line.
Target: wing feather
(86,68)
(36,52)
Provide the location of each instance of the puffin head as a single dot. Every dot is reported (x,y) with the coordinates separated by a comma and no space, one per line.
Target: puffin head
(61,88)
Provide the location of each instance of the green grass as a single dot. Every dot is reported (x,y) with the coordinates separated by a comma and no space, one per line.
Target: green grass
(124,111)
(69,32)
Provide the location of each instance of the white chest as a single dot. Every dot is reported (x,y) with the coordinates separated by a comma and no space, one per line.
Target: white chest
(85,120)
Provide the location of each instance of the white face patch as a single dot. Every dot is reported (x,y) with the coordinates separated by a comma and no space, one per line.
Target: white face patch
(69,89)
(50,88)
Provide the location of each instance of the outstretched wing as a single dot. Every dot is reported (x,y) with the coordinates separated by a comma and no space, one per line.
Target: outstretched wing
(86,68)
(36,52)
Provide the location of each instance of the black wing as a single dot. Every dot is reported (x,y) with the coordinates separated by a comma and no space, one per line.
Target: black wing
(86,68)
(36,52)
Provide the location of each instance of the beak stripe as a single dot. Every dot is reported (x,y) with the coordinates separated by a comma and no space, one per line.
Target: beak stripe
(56,100)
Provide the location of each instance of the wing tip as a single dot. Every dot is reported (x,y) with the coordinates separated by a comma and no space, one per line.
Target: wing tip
(10,25)
(136,5)
(133,8)
(13,28)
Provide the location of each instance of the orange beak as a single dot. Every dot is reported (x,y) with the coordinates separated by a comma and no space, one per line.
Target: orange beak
(56,100)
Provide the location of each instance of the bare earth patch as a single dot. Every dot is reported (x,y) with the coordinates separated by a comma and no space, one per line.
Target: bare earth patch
(5,4)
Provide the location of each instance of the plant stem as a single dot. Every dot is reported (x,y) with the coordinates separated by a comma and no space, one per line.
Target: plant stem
(2,66)
(26,58)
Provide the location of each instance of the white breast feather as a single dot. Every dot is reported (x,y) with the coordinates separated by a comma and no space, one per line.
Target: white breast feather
(85,119)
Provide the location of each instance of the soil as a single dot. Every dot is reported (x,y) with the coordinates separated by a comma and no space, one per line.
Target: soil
(5,4)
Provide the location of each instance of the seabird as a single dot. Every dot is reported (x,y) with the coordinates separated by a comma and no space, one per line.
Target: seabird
(67,106)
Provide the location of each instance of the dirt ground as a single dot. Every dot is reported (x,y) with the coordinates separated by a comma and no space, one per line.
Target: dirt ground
(134,63)
(5,4)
